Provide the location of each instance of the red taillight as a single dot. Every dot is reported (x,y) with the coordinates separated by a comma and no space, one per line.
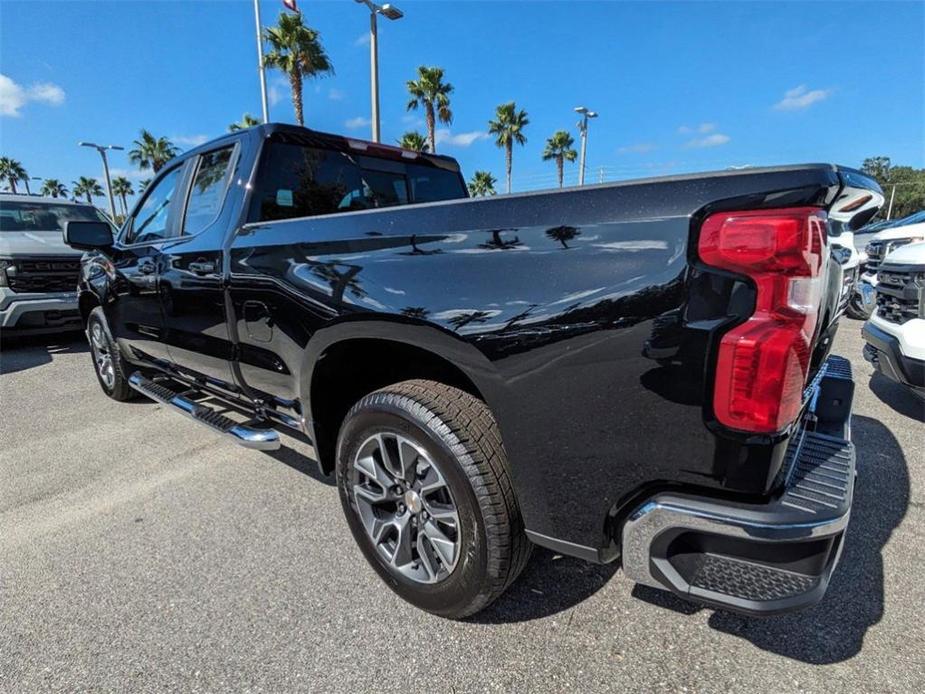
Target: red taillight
(763,363)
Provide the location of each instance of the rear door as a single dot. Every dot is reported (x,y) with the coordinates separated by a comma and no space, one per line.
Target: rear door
(191,280)
(135,316)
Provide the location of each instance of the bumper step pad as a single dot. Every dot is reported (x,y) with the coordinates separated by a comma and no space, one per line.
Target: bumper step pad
(758,559)
(246,435)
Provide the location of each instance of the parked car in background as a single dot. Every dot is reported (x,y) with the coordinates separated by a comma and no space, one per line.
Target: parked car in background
(38,271)
(485,374)
(888,238)
(895,331)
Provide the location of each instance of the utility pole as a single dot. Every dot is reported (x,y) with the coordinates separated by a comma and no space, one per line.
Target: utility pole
(102,150)
(260,67)
(583,129)
(388,11)
(889,210)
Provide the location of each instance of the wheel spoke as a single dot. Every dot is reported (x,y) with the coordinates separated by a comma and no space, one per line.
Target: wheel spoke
(402,554)
(443,546)
(375,472)
(425,549)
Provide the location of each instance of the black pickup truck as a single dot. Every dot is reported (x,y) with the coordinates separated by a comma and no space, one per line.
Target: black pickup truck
(633,371)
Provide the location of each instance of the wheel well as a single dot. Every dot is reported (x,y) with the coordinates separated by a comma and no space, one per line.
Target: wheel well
(348,370)
(87,303)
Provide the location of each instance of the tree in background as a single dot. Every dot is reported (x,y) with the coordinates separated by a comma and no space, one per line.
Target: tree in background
(53,188)
(559,149)
(143,184)
(909,196)
(151,152)
(87,186)
(247,121)
(508,128)
(12,172)
(414,141)
(482,183)
(122,187)
(433,94)
(296,50)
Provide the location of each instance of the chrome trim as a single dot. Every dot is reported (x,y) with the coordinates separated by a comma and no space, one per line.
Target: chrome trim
(667,512)
(242,434)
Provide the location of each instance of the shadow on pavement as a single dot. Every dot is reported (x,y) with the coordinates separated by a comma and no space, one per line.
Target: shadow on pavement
(24,352)
(551,583)
(834,630)
(898,397)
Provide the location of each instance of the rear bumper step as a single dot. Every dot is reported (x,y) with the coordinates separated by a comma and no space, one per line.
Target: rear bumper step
(243,434)
(758,559)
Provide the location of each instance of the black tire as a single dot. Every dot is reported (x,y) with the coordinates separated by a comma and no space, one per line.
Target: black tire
(115,385)
(461,437)
(856,308)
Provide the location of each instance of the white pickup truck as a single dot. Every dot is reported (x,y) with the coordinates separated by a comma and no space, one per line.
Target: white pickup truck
(895,331)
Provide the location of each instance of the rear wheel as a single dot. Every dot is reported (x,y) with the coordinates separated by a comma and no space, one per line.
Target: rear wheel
(107,360)
(424,485)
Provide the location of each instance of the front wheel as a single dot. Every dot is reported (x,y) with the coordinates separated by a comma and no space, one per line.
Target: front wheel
(424,484)
(857,308)
(107,360)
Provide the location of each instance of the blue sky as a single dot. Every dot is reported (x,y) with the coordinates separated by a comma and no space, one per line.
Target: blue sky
(679,86)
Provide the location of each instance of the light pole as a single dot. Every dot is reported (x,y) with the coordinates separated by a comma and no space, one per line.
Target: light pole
(26,181)
(583,129)
(388,11)
(102,150)
(260,68)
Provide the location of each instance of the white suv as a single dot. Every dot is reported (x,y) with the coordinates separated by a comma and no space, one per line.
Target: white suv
(907,231)
(895,331)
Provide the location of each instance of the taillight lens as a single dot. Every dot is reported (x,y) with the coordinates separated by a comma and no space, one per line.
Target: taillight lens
(763,363)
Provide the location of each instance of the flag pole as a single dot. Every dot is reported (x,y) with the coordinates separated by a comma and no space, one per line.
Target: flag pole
(260,67)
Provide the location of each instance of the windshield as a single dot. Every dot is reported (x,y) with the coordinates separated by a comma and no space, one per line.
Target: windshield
(44,216)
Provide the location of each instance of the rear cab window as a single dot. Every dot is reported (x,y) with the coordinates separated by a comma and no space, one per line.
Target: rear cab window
(307,180)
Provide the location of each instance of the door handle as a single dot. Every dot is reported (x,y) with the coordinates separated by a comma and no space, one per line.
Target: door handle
(202,267)
(146,267)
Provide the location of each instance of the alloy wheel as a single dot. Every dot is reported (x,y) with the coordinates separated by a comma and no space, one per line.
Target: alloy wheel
(406,507)
(102,356)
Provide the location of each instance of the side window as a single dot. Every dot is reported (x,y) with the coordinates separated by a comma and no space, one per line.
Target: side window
(206,195)
(150,222)
(300,181)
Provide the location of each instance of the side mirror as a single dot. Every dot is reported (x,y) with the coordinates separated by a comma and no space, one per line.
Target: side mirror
(87,236)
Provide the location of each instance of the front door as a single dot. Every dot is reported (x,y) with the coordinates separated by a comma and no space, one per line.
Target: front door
(134,311)
(191,279)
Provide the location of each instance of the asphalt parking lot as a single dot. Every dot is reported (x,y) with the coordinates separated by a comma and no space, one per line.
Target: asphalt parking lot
(138,551)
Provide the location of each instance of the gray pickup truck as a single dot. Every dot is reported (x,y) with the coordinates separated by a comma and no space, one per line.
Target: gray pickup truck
(38,272)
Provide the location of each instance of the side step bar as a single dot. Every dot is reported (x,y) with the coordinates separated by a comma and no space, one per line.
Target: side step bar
(242,434)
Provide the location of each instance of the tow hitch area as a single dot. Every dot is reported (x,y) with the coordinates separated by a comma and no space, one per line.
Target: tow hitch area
(758,559)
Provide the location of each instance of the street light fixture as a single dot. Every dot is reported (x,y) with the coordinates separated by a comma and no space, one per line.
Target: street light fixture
(583,129)
(102,150)
(388,11)
(30,178)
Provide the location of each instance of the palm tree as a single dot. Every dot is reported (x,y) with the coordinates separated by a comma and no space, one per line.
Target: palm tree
(559,148)
(482,183)
(508,128)
(247,121)
(53,188)
(430,91)
(87,186)
(152,152)
(414,141)
(122,187)
(12,172)
(296,50)
(563,234)
(143,185)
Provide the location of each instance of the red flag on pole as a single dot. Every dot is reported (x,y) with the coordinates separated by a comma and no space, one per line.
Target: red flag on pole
(290,4)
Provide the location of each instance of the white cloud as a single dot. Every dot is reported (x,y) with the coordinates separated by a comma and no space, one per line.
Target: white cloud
(14,96)
(714,140)
(336,95)
(640,148)
(357,123)
(362,39)
(801,97)
(131,174)
(444,137)
(277,89)
(190,140)
(703,129)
